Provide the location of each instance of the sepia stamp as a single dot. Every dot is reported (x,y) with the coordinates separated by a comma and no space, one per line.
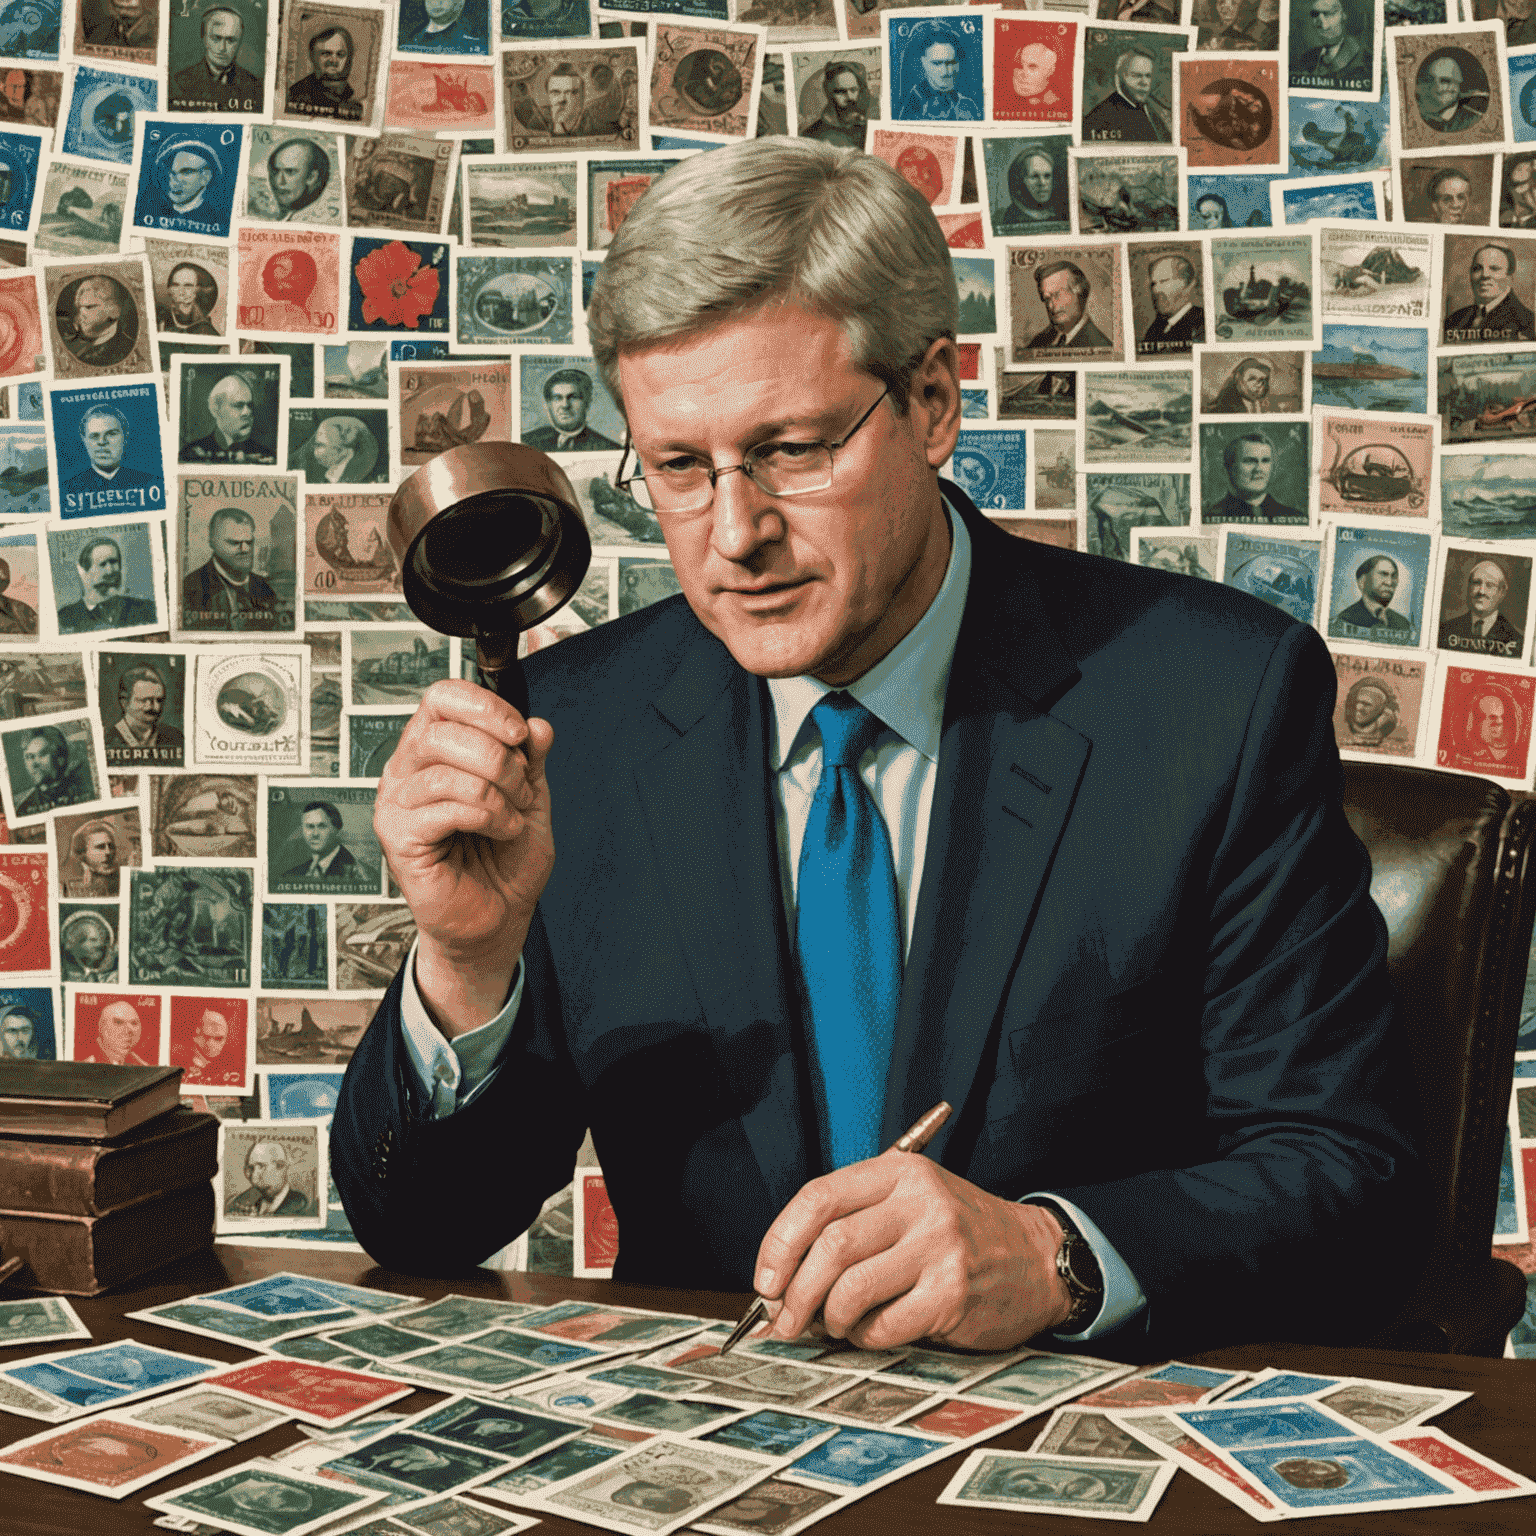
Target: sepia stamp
(400,181)
(143,707)
(346,548)
(1448,85)
(1366,272)
(1489,285)
(272,1175)
(236,553)
(98,317)
(1485,601)
(288,281)
(1380,704)
(1168,297)
(1065,303)
(571,96)
(249,707)
(330,65)
(705,80)
(1230,112)
(438,406)
(1450,189)
(1381,463)
(202,816)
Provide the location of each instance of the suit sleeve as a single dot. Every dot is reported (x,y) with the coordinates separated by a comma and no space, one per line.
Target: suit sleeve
(1302,1222)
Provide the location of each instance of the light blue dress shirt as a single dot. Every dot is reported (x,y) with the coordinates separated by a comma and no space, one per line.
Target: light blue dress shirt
(905,689)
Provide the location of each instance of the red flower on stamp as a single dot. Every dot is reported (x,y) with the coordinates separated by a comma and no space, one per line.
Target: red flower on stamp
(396,288)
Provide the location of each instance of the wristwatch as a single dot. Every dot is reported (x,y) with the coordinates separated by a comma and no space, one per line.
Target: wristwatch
(1077,1266)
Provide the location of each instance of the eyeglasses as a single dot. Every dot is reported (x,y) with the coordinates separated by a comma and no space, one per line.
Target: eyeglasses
(686,484)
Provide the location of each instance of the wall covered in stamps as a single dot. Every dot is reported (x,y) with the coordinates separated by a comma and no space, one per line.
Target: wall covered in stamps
(1246,293)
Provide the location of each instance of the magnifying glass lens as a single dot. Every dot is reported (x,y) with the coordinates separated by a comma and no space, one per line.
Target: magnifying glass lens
(485,540)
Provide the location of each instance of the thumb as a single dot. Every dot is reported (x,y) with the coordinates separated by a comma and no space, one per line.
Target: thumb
(541,737)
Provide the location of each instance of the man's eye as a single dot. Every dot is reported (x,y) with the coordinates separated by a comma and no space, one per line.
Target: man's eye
(784,453)
(684,464)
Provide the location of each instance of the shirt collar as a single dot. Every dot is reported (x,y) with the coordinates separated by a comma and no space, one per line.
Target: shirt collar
(906,688)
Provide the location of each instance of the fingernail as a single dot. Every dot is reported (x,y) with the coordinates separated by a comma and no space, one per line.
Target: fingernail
(765,1279)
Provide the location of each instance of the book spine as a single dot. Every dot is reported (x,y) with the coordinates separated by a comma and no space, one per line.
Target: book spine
(91,1178)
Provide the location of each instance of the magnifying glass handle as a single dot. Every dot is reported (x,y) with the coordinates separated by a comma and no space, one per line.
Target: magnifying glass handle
(500,670)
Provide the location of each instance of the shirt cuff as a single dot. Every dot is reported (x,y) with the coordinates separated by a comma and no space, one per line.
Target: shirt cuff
(1122,1295)
(452,1072)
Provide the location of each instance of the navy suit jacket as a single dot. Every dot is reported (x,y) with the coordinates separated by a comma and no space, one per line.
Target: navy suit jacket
(1145,968)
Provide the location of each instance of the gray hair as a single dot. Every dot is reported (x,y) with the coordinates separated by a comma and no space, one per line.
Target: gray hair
(722,234)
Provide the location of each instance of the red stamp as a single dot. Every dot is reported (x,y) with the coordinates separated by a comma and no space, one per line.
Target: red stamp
(446,97)
(322,1394)
(960,1420)
(1032,64)
(210,1040)
(930,161)
(122,1028)
(24,942)
(1469,1473)
(597,1227)
(1229,113)
(963,231)
(1485,722)
(21,327)
(289,281)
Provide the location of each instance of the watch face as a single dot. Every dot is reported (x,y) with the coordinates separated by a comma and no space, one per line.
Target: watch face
(1079,1268)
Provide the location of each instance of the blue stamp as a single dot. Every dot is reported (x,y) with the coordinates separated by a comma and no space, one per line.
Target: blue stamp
(550,18)
(26,1024)
(187,177)
(1522,91)
(1379,579)
(514,300)
(1346,200)
(1334,1472)
(82,1391)
(768,1432)
(405,351)
(1266,1424)
(989,466)
(101,113)
(104,577)
(936,69)
(671,141)
(29,29)
(973,405)
(106,442)
(1230,202)
(854,1458)
(28,491)
(29,401)
(1282,572)
(137,1367)
(301,1095)
(1372,368)
(445,26)
(19,156)
(1506,1221)
(1335,138)
(1288,1384)
(398,285)
(976,279)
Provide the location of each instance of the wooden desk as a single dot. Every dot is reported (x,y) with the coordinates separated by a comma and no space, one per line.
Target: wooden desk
(1497,1421)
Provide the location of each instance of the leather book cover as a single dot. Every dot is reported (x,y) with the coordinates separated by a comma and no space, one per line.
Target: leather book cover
(85,1255)
(90,1178)
(87,1100)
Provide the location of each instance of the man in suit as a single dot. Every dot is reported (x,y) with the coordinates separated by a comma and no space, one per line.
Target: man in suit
(269,1192)
(330,860)
(1063,287)
(101,336)
(1249,461)
(325,91)
(1482,629)
(1377,577)
(1440,102)
(191,293)
(1338,57)
(140,734)
(1123,116)
(227,591)
(118,1032)
(106,484)
(55,780)
(218,82)
(567,399)
(234,440)
(665,981)
(1496,314)
(1180,321)
(94,847)
(102,603)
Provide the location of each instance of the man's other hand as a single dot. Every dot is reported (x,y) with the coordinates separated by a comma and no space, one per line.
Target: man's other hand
(463,816)
(895,1249)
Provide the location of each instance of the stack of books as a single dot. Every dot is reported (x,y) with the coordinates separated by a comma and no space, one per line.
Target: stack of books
(104,1176)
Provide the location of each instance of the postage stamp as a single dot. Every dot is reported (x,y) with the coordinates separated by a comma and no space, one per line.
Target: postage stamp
(1379,580)
(321,842)
(400,181)
(143,708)
(1128,84)
(445,96)
(319,1031)
(1065,303)
(272,1174)
(1326,197)
(1266,284)
(458,27)
(1141,417)
(227,412)
(82,210)
(1186,554)
(1031,1480)
(190,926)
(613,188)
(1380,701)
(398,285)
(53,762)
(40,1320)
(1032,70)
(120,1028)
(990,466)
(236,553)
(439,406)
(339,446)
(836,93)
(372,941)
(1119,503)
(513,301)
(371,741)
(1027,184)
(1452,189)
(1517,191)
(1485,599)
(395,666)
(1381,464)
(190,285)
(27,1033)
(1333,49)
(21,150)
(107,448)
(1369,273)
(1126,194)
(533,203)
(98,317)
(1328,136)
(571,96)
(1489,290)
(1230,111)
(937,67)
(106,577)
(1483,496)
(202,816)
(205,1411)
(346,549)
(210,1039)
(1487,399)
(1229,200)
(92,848)
(1372,367)
(1262,383)
(705,80)
(1485,722)
(289,281)
(187,175)
(24,939)
(294,946)
(1257,473)
(1449,86)
(294,175)
(1055,470)
(330,64)
(88,948)
(125,31)
(248,708)
(1286,573)
(1168,298)
(21,346)
(221,54)
(929,161)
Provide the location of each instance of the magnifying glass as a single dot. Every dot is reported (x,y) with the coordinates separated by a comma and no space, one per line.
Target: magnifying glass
(490,542)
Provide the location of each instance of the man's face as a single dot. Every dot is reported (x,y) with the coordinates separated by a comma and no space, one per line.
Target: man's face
(1380,582)
(212,1032)
(1253,383)
(233,411)
(146,703)
(1063,303)
(265,1170)
(1450,200)
(330,57)
(1170,287)
(105,572)
(1328,21)
(318,833)
(16,87)
(1366,706)
(567,410)
(843,95)
(1489,276)
(941,64)
(1135,80)
(118,1029)
(1491,724)
(127,11)
(182,291)
(41,761)
(234,542)
(291,175)
(100,853)
(565,98)
(18,1038)
(93,314)
(1252,468)
(1039,175)
(1226,11)
(188,175)
(104,441)
(1036,64)
(329,449)
(1210,213)
(823,584)
(221,40)
(444,11)
(1444,84)
(1485,589)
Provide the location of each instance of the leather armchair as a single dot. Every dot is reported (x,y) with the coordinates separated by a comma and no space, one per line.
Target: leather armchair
(1451,859)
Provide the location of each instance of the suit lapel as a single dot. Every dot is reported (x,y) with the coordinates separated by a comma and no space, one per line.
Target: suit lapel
(1008,775)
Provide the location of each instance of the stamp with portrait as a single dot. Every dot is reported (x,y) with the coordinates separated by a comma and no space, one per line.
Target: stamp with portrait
(121,31)
(1221,26)
(1255,472)
(93,848)
(1286,573)
(320,840)
(705,80)
(221,54)
(1065,303)
(990,465)
(1137,417)
(118,1028)
(210,1038)
(1380,703)
(1128,84)
(438,406)
(330,65)
(511,202)
(1450,189)
(102,106)
(837,92)
(339,445)
(1231,200)
(107,449)
(143,706)
(613,188)
(1485,601)
(190,286)
(294,176)
(1333,50)
(1448,84)
(400,181)
(399,286)
(236,553)
(98,317)
(453,28)
(1027,184)
(1381,463)
(929,161)
(272,1174)
(88,943)
(1369,273)
(1376,592)
(560,98)
(202,816)
(1034,1480)
(249,708)
(565,407)
(24,938)
(187,175)
(1168,297)
(1033,65)
(228,412)
(81,211)
(448,96)
(106,577)
(1485,722)
(1487,398)
(513,301)
(288,281)
(1230,112)
(1490,290)
(1263,286)
(1120,194)
(938,65)
(190,926)
(346,546)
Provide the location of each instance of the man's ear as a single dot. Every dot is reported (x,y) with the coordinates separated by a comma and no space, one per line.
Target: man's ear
(934,400)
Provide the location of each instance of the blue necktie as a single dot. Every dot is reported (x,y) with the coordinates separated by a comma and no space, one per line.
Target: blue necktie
(848,929)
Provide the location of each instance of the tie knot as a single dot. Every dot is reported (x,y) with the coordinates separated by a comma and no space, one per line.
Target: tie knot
(848,730)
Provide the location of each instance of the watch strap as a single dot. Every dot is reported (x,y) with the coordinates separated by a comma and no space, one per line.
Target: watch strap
(1078,1266)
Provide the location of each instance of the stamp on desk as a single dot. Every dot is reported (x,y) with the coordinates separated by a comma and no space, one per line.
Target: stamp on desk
(284,1503)
(1028,1480)
(108,1456)
(318,1394)
(42,1320)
